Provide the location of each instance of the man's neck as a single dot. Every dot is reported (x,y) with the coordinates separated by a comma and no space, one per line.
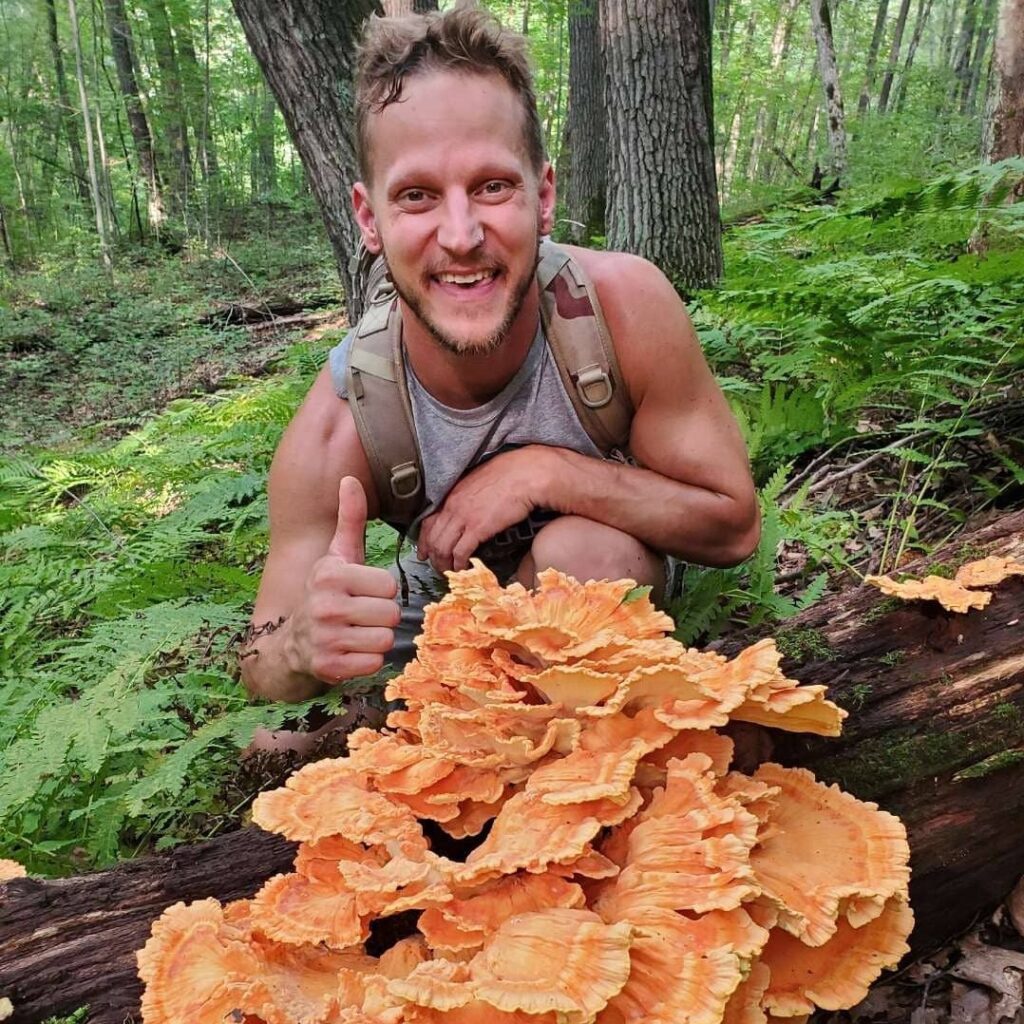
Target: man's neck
(466,381)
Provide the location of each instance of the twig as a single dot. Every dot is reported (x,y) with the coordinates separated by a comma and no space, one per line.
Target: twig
(849,471)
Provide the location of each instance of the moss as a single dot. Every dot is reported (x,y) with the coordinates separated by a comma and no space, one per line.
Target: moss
(893,657)
(888,604)
(881,764)
(994,763)
(855,697)
(943,569)
(1006,712)
(805,644)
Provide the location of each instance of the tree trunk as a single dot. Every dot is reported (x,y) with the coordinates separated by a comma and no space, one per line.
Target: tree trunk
(728,152)
(67,110)
(585,151)
(964,48)
(197,114)
(924,8)
(173,96)
(306,51)
(894,57)
(1004,135)
(264,158)
(864,103)
(780,47)
(90,149)
(821,25)
(662,195)
(981,53)
(399,8)
(122,47)
(935,735)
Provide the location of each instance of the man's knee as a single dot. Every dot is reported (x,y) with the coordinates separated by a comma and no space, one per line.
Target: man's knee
(589,550)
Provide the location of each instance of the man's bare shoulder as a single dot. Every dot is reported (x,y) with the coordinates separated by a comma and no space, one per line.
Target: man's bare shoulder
(319,447)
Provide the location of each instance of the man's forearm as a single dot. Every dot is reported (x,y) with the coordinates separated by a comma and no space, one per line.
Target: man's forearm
(677,518)
(267,671)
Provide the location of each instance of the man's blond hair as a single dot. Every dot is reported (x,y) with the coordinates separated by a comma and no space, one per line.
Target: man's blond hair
(464,39)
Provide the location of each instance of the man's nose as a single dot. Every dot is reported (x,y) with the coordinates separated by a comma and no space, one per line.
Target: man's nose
(460,230)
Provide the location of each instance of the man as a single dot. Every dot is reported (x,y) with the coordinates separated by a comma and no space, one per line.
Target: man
(456,194)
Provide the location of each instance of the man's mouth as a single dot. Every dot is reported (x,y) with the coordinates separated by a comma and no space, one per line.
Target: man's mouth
(466,280)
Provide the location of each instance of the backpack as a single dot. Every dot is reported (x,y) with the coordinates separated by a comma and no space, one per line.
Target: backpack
(379,399)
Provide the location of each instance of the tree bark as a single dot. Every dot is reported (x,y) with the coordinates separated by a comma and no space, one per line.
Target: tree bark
(585,150)
(780,47)
(866,89)
(122,47)
(306,51)
(821,25)
(894,57)
(90,149)
(935,734)
(924,8)
(964,48)
(1005,124)
(173,95)
(662,194)
(192,79)
(67,110)
(981,53)
(399,8)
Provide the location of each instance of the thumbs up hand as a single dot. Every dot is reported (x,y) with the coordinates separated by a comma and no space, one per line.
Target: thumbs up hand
(345,624)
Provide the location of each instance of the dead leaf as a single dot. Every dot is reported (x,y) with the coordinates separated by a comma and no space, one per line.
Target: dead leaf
(1015,907)
(997,969)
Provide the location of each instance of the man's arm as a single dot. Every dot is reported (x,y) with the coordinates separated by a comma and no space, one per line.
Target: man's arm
(338,614)
(694,498)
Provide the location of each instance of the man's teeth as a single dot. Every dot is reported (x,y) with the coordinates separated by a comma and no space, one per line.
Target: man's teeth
(482,275)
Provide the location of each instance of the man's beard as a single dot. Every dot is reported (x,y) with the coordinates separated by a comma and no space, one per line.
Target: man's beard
(485,346)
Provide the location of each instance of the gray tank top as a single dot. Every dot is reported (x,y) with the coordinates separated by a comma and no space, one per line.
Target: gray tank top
(532,408)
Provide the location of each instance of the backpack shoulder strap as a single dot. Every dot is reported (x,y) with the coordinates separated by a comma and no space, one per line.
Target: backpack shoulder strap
(582,347)
(379,400)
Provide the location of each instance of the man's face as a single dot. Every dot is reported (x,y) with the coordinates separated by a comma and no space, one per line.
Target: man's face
(455,206)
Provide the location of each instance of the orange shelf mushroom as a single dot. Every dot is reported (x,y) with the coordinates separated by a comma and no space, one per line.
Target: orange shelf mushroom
(617,871)
(958,594)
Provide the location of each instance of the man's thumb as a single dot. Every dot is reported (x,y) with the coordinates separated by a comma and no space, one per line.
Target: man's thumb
(348,540)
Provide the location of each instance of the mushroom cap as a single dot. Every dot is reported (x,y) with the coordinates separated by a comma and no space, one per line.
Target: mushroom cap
(828,856)
(781,703)
(952,595)
(562,960)
(328,798)
(466,922)
(11,869)
(836,974)
(196,966)
(987,572)
(672,978)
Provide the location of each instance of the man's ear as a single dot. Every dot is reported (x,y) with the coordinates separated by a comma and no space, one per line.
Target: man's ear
(546,197)
(365,219)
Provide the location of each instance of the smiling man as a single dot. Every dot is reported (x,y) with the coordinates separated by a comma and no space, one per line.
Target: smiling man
(456,196)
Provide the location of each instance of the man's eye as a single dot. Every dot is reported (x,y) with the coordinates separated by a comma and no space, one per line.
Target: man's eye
(495,188)
(414,196)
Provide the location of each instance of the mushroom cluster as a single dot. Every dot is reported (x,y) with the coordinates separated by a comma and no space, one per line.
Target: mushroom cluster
(962,592)
(618,871)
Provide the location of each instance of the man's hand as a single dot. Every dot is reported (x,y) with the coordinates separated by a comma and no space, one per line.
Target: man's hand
(345,623)
(492,497)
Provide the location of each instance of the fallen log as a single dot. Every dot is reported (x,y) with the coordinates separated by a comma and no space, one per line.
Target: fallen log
(935,734)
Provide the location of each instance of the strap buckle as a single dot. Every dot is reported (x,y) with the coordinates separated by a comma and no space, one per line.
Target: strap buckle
(405,481)
(594,386)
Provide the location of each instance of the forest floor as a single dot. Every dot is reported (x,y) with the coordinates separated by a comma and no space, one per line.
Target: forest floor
(867,355)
